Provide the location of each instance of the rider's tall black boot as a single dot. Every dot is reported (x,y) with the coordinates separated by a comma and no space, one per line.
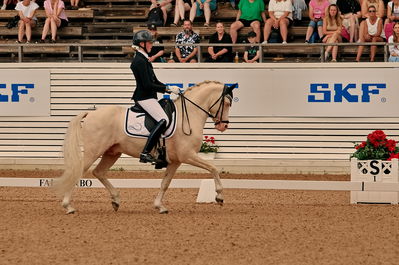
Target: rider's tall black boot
(145,156)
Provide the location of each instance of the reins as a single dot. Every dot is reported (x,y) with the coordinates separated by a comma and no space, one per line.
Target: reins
(185,112)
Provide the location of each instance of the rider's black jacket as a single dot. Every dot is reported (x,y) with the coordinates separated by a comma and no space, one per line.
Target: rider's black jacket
(147,84)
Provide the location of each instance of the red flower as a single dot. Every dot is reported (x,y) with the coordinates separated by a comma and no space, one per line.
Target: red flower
(212,139)
(362,145)
(392,156)
(390,144)
(377,138)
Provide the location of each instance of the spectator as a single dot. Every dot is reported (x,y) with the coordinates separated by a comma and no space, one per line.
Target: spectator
(332,25)
(372,28)
(378,4)
(180,9)
(75,4)
(26,11)
(351,12)
(392,17)
(280,12)
(165,5)
(250,14)
(55,18)
(187,36)
(203,7)
(156,53)
(252,53)
(394,49)
(10,4)
(317,11)
(220,53)
(298,6)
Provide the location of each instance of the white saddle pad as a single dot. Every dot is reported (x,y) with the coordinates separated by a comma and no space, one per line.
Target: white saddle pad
(135,127)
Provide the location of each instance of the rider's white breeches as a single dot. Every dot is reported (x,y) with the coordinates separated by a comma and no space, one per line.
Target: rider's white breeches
(152,107)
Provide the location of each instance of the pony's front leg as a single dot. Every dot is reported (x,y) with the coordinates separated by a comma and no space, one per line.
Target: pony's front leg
(169,173)
(197,161)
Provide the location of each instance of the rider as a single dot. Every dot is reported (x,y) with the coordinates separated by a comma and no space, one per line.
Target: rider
(147,86)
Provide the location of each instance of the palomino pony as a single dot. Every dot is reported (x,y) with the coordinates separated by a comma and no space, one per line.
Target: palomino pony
(101,134)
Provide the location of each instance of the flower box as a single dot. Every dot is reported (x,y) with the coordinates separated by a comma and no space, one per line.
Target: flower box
(382,171)
(207,156)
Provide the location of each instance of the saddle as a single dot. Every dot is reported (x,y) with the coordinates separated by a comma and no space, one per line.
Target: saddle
(138,123)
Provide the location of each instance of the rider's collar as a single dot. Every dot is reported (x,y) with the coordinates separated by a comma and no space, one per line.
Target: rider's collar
(143,53)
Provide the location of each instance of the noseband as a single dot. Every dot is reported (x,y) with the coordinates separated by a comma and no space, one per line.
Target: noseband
(222,97)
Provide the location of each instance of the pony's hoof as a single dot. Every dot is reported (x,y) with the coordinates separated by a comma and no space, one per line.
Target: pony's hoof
(71,211)
(219,201)
(162,210)
(115,205)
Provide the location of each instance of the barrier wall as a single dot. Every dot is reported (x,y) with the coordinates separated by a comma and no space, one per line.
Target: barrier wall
(285,117)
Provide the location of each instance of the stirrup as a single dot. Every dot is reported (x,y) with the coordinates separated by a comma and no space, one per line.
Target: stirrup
(146,158)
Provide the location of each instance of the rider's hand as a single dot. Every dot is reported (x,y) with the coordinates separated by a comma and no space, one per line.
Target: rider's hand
(174,90)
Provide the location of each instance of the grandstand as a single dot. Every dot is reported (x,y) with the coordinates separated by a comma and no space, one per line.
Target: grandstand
(102,31)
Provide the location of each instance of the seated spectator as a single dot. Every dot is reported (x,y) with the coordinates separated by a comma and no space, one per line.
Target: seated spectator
(280,12)
(55,18)
(394,49)
(203,7)
(220,53)
(180,9)
(9,4)
(317,11)
(298,7)
(378,4)
(250,14)
(165,5)
(75,4)
(27,19)
(332,25)
(372,28)
(187,36)
(252,53)
(156,53)
(351,13)
(392,17)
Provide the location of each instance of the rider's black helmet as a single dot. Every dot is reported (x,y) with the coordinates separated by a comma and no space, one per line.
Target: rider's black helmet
(142,36)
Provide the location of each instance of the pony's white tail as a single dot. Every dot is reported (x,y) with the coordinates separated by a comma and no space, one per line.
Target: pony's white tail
(73,159)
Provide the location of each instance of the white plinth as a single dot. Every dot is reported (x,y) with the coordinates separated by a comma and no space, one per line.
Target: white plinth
(206,193)
(207,156)
(374,171)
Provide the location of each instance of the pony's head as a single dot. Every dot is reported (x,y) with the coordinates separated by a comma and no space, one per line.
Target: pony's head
(220,109)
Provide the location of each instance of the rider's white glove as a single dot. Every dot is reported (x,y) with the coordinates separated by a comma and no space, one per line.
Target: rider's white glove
(174,89)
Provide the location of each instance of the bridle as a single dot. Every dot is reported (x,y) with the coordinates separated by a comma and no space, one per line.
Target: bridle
(227,93)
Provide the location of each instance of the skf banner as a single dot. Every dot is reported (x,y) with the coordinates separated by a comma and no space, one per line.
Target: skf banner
(303,92)
(24,92)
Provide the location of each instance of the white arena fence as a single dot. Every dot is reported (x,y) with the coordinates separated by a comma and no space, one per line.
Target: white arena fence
(268,132)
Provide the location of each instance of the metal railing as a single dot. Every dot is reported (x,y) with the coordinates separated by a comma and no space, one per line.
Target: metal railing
(262,47)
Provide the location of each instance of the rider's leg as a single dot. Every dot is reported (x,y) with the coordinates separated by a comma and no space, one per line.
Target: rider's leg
(152,107)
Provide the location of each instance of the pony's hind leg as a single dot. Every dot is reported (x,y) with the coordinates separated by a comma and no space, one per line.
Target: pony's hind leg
(169,173)
(99,172)
(66,202)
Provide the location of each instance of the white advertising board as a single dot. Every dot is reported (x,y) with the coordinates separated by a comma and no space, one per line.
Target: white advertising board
(304,92)
(24,92)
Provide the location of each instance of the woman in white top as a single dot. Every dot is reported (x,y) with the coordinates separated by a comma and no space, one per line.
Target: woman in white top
(394,49)
(280,12)
(26,11)
(372,28)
